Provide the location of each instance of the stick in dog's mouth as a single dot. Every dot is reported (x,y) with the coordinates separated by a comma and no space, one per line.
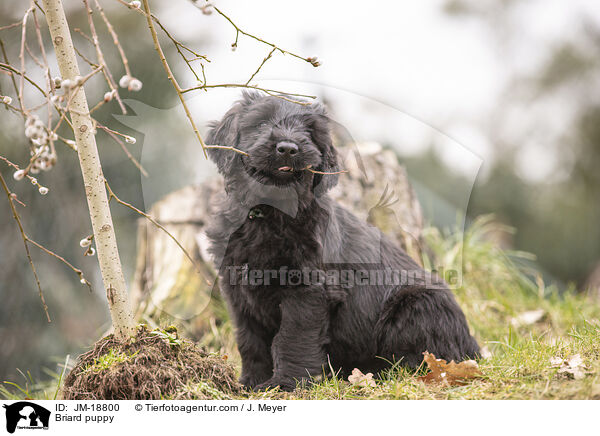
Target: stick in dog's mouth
(309,168)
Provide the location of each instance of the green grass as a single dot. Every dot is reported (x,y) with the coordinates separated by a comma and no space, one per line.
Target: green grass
(108,360)
(496,287)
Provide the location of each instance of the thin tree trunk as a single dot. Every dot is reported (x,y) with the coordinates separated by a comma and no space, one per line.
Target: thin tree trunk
(93,179)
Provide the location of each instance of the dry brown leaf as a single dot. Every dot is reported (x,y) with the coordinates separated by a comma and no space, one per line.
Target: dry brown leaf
(449,373)
(571,366)
(360,379)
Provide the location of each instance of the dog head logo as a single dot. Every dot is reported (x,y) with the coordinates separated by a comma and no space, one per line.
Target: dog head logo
(26,415)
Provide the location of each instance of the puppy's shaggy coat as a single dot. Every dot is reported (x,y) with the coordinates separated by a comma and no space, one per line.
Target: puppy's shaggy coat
(277,217)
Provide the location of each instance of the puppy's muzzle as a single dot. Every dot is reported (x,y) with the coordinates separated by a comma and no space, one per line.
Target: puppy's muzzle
(286,149)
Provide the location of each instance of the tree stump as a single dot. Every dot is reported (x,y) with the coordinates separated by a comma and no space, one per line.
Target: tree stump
(168,288)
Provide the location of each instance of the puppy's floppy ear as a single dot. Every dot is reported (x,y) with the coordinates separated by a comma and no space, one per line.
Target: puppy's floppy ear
(321,137)
(224,132)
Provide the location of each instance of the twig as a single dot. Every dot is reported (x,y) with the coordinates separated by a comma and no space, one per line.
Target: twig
(115,38)
(239,30)
(112,195)
(272,92)
(17,200)
(107,75)
(326,173)
(71,95)
(7,62)
(10,26)
(25,240)
(113,134)
(33,180)
(87,61)
(261,65)
(20,73)
(22,57)
(63,260)
(178,45)
(227,147)
(33,56)
(49,84)
(13,197)
(170,74)
(82,33)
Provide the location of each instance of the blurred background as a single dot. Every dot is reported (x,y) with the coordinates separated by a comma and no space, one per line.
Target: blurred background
(493,106)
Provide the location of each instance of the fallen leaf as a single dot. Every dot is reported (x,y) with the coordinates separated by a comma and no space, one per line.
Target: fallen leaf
(575,360)
(360,379)
(528,318)
(571,366)
(449,373)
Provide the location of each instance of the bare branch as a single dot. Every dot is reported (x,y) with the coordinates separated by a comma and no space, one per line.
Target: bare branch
(261,65)
(113,134)
(240,31)
(25,240)
(7,62)
(107,75)
(308,168)
(153,221)
(33,180)
(170,74)
(115,38)
(22,57)
(77,271)
(227,147)
(10,26)
(272,92)
(8,67)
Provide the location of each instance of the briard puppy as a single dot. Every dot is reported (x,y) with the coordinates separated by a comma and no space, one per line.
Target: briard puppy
(310,287)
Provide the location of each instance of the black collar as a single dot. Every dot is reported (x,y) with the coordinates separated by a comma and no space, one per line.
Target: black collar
(256,212)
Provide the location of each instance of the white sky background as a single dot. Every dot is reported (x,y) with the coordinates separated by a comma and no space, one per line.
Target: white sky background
(449,73)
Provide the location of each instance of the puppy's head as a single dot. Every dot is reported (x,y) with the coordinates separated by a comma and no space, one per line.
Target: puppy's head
(283,140)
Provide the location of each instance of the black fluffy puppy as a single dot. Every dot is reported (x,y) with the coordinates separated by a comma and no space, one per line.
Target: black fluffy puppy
(277,235)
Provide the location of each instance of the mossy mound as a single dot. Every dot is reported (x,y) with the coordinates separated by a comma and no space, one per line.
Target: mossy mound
(154,365)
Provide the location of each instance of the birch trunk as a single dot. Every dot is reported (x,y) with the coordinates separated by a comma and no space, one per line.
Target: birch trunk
(93,179)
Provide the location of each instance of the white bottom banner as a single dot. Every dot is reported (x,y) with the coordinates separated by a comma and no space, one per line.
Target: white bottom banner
(283,417)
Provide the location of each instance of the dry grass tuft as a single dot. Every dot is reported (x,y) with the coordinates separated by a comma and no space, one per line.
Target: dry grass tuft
(154,365)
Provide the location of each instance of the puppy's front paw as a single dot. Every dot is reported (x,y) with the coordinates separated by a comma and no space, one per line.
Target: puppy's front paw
(251,381)
(283,384)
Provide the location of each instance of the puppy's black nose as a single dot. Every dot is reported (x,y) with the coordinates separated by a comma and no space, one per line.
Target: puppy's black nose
(287,148)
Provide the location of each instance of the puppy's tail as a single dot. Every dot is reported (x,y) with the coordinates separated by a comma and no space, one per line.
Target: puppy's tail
(415,319)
